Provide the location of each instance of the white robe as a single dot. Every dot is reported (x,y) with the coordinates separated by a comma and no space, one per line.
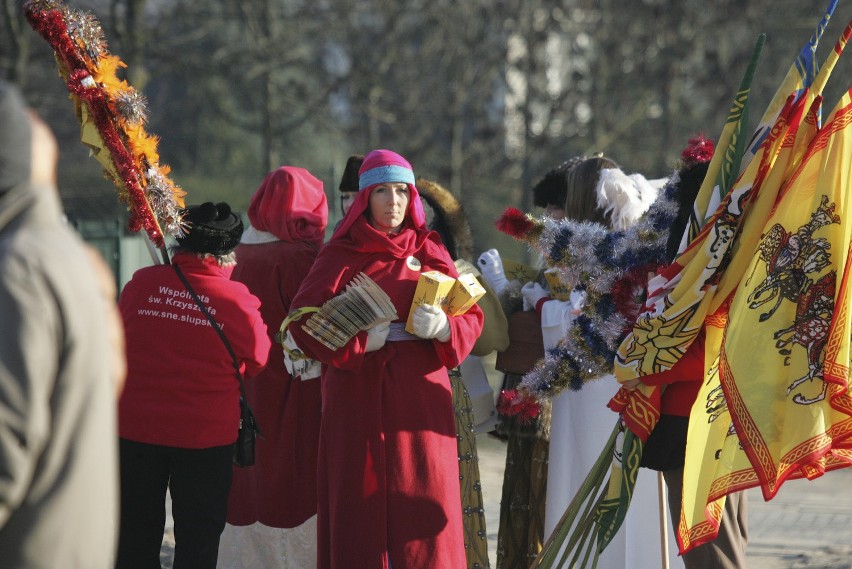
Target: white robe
(260,547)
(580,427)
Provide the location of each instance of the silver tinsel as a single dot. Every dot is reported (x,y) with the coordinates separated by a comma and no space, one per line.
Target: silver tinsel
(133,106)
(579,263)
(162,200)
(42,5)
(84,28)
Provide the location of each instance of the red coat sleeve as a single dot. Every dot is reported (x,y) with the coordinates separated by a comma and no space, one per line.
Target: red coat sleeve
(256,354)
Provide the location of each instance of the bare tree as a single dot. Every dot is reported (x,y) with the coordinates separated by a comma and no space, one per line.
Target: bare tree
(14,49)
(483,96)
(128,27)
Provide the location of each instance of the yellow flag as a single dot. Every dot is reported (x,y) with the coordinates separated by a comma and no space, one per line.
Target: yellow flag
(680,298)
(711,445)
(688,289)
(777,344)
(776,403)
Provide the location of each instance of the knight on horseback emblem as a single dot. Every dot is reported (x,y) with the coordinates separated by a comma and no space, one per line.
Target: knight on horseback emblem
(794,262)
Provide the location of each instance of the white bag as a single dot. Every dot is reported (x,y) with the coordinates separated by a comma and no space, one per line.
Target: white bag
(481,395)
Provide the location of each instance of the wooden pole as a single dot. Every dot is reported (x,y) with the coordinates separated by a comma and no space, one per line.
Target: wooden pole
(159,255)
(664,533)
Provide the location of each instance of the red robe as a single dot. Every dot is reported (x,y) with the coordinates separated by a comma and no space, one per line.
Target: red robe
(388,465)
(280,490)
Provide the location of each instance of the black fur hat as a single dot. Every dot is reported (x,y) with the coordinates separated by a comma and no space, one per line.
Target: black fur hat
(211,228)
(553,188)
(349,180)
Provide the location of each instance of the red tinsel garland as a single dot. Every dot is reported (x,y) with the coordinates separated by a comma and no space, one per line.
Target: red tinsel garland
(50,24)
(515,223)
(699,149)
(519,405)
(141,216)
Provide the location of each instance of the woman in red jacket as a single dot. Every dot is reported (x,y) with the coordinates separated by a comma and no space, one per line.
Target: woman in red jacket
(179,412)
(388,466)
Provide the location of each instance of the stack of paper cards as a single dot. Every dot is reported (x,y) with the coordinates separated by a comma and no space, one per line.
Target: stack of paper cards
(360,307)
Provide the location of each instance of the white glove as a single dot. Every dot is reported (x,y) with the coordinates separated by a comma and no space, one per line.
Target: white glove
(532,293)
(578,299)
(297,363)
(491,267)
(377,335)
(429,321)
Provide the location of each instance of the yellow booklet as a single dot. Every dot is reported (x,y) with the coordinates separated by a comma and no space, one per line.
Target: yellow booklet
(465,293)
(558,290)
(516,271)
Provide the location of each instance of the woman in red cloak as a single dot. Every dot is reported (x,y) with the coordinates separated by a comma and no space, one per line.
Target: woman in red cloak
(272,505)
(388,466)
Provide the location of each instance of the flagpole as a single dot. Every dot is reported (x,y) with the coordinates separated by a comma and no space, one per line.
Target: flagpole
(159,255)
(664,533)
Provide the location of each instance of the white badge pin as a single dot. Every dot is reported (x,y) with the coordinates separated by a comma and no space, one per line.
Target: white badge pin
(413,264)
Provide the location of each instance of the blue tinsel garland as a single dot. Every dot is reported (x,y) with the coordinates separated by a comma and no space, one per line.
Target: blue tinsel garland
(589,255)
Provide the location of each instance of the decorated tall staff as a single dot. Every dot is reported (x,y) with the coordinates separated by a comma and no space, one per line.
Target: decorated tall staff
(112,115)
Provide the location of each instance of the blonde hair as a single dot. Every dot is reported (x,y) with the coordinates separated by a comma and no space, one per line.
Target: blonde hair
(224,260)
(581,201)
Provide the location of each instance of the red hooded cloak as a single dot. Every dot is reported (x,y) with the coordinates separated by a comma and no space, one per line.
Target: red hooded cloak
(388,465)
(288,215)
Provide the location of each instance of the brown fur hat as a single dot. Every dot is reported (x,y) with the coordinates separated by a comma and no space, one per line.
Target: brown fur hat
(448,218)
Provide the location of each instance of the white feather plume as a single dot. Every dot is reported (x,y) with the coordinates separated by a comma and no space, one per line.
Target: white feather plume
(625,198)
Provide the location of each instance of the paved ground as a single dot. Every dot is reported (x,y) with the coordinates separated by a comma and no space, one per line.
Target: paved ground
(807,525)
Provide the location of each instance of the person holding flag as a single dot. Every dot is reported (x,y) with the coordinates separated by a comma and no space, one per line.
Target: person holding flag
(691,300)
(665,448)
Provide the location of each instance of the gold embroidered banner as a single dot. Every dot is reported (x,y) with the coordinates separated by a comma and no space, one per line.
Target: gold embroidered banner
(775,404)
